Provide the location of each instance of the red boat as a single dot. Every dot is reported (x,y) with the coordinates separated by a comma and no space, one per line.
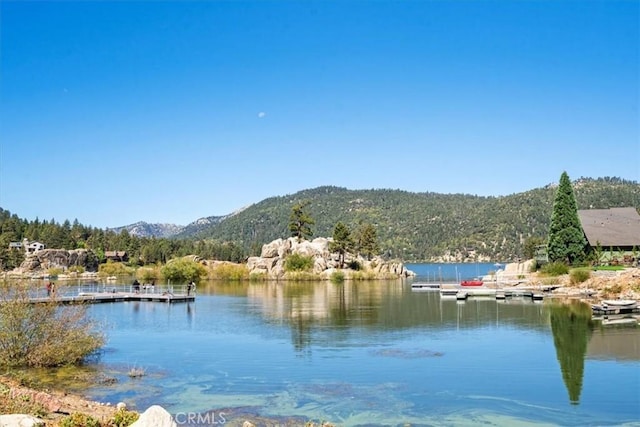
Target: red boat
(474,282)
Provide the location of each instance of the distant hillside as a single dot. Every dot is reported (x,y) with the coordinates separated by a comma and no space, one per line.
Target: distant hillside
(420,226)
(144,229)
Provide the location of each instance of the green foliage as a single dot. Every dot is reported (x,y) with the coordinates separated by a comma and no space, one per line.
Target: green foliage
(182,270)
(530,245)
(114,269)
(366,241)
(78,419)
(300,221)
(337,277)
(228,272)
(342,241)
(54,271)
(76,269)
(45,334)
(298,262)
(123,418)
(566,239)
(555,269)
(579,275)
(149,274)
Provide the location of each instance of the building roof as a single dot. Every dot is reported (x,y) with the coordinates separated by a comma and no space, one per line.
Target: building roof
(615,227)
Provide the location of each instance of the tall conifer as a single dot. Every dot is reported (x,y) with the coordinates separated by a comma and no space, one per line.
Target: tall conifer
(566,238)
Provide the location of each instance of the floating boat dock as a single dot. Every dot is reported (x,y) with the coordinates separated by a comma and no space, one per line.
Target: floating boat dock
(499,293)
(96,298)
(100,293)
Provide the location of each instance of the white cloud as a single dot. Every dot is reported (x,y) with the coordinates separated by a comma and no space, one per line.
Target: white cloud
(261,114)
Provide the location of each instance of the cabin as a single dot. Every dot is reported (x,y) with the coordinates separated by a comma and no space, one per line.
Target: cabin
(26,246)
(116,256)
(34,247)
(613,233)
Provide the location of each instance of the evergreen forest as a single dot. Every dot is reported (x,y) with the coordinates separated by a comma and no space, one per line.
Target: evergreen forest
(409,226)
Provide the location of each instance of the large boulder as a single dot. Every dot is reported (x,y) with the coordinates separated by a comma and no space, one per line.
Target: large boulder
(59,258)
(20,420)
(155,416)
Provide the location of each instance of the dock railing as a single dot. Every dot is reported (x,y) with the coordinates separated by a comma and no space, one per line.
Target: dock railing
(64,290)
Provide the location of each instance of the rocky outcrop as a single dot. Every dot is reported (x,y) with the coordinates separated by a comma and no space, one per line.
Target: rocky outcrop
(59,258)
(270,263)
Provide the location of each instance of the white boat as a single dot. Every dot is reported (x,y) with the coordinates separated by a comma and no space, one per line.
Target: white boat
(620,303)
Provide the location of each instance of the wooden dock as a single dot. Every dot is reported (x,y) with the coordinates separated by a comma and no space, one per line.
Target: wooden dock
(97,298)
(498,293)
(95,293)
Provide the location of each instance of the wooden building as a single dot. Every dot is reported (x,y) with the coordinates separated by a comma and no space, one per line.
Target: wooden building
(615,232)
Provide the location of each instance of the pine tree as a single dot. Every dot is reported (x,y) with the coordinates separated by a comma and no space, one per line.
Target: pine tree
(342,241)
(367,241)
(300,221)
(566,239)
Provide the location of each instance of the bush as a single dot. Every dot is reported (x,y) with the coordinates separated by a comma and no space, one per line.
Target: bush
(337,277)
(148,274)
(54,271)
(579,275)
(44,334)
(297,262)
(114,269)
(123,418)
(555,269)
(228,272)
(76,269)
(182,270)
(79,420)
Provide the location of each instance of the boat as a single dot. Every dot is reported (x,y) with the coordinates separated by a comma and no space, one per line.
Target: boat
(426,286)
(620,303)
(474,282)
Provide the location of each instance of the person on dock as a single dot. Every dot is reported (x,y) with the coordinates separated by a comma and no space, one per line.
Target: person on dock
(191,286)
(49,289)
(136,286)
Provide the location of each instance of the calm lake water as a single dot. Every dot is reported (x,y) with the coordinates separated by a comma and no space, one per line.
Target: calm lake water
(370,353)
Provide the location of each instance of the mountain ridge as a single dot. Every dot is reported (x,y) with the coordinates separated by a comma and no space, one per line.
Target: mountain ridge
(417,226)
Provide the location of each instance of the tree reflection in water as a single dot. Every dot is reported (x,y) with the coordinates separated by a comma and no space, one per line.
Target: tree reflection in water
(571,325)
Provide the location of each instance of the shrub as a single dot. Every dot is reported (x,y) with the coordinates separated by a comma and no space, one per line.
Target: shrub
(367,275)
(183,270)
(337,277)
(579,275)
(228,272)
(54,271)
(114,269)
(555,269)
(76,269)
(45,334)
(123,418)
(297,262)
(148,274)
(79,420)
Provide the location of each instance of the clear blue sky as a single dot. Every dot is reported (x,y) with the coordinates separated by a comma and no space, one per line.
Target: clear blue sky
(166,112)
